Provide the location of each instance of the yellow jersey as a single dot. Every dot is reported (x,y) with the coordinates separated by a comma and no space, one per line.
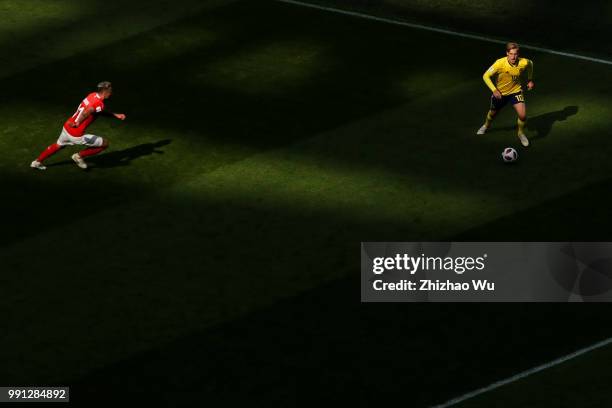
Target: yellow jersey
(508,76)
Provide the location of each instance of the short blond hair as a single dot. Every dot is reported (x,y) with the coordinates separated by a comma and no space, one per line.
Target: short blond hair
(104,85)
(512,46)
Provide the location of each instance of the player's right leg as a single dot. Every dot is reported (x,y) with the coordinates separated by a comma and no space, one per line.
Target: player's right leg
(495,106)
(490,116)
(49,151)
(62,141)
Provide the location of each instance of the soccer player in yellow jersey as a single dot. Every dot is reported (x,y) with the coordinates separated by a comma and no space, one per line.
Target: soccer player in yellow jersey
(508,73)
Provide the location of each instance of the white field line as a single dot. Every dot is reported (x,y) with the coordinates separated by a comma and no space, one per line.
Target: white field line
(524,374)
(443,31)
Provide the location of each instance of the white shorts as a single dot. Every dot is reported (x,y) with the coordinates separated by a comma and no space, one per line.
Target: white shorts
(66,139)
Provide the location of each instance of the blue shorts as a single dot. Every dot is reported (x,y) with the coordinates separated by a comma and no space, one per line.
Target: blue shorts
(497,104)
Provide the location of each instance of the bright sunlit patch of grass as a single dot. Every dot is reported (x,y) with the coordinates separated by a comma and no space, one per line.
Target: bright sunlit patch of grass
(26,15)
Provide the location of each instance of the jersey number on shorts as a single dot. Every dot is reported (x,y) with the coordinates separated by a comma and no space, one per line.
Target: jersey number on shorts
(520,98)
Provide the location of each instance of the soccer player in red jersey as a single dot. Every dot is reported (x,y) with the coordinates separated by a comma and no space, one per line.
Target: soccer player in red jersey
(73,132)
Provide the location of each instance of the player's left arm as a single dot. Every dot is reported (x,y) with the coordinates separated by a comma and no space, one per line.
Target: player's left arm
(120,116)
(530,83)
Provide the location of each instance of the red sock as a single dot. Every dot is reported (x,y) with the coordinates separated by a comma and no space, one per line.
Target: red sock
(90,151)
(49,151)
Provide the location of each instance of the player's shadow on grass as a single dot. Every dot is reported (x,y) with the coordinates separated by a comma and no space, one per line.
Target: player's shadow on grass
(122,157)
(543,124)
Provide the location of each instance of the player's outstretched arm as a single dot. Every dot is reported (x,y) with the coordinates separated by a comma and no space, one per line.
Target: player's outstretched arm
(120,116)
(487,80)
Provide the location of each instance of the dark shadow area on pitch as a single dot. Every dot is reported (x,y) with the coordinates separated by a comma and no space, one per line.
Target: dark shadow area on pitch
(547,24)
(328,343)
(582,215)
(120,158)
(323,341)
(324,344)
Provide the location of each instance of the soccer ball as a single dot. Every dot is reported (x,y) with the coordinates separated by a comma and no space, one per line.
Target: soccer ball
(509,155)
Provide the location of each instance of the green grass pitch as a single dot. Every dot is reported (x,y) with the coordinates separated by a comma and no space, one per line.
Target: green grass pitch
(218,237)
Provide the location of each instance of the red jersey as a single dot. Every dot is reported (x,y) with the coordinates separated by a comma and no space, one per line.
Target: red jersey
(92,100)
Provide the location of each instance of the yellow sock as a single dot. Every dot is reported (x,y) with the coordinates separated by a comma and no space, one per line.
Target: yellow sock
(521,126)
(489,119)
